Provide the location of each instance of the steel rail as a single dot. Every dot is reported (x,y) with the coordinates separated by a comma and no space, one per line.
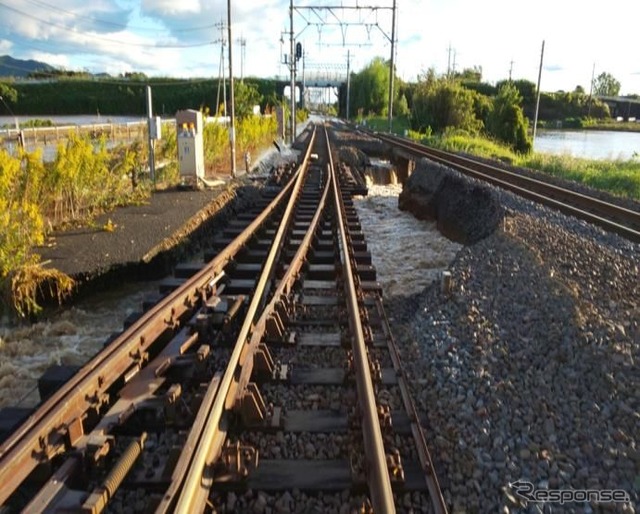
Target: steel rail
(289,278)
(377,472)
(430,476)
(195,489)
(615,218)
(51,429)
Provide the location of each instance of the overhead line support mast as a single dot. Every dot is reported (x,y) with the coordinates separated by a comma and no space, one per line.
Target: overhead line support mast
(334,11)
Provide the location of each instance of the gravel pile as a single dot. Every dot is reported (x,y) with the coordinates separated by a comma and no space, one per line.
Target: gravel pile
(528,369)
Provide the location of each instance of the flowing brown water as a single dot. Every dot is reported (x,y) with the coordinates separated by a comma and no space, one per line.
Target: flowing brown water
(408,253)
(70,337)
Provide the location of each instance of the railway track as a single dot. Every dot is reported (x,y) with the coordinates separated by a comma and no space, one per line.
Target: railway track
(266,376)
(609,216)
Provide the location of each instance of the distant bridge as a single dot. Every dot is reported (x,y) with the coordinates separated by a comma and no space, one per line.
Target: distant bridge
(326,78)
(316,79)
(622,107)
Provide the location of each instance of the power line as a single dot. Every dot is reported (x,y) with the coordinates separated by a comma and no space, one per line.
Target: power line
(144,45)
(112,23)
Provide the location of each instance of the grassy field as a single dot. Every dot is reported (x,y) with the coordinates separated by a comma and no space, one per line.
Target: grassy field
(380,124)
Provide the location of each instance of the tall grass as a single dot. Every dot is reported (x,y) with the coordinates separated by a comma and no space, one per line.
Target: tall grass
(36,197)
(252,133)
(381,124)
(619,177)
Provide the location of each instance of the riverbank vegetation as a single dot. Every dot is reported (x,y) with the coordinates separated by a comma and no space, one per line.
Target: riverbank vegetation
(459,113)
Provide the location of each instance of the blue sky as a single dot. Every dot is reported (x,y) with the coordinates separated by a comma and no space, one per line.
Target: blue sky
(180,38)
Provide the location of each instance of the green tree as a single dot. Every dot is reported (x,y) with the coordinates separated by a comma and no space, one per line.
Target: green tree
(135,75)
(401,106)
(506,120)
(246,95)
(526,88)
(9,94)
(606,85)
(439,103)
(470,74)
(370,88)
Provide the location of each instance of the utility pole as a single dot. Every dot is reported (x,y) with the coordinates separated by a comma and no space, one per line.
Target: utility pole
(292,68)
(303,91)
(510,69)
(232,124)
(152,157)
(593,74)
(348,82)
(243,54)
(535,118)
(392,64)
(449,61)
(221,72)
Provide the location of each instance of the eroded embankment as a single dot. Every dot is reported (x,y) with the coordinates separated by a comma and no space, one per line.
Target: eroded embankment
(147,240)
(465,210)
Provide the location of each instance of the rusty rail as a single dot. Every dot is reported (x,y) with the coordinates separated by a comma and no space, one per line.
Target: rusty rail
(223,394)
(195,490)
(378,474)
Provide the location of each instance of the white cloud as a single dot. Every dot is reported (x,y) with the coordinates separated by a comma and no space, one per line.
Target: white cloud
(57,60)
(163,8)
(5,46)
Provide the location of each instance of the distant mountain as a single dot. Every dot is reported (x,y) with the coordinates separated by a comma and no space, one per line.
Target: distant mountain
(10,67)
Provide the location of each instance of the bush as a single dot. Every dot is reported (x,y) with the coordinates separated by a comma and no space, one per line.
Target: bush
(506,120)
(81,181)
(441,103)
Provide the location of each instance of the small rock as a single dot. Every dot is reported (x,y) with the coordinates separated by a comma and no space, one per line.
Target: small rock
(309,450)
(260,504)
(231,501)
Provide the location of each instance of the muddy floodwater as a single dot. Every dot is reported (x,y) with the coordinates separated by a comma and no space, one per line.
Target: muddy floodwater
(407,253)
(71,337)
